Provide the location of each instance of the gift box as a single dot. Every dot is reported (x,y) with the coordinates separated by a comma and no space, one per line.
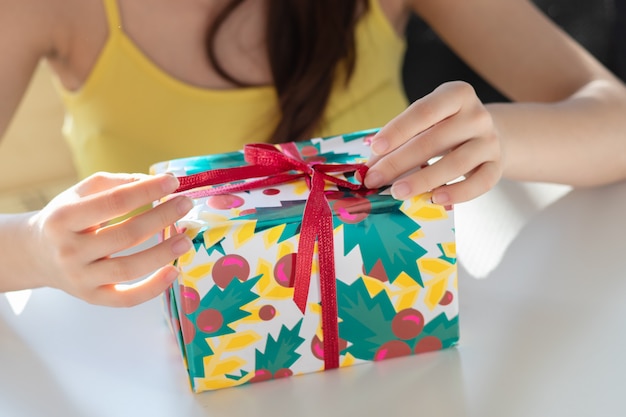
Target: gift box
(297,268)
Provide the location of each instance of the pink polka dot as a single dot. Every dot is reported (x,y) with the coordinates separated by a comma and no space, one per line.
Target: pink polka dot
(267,312)
(271,191)
(352,209)
(447,298)
(224,202)
(228,268)
(247,212)
(334,195)
(285,270)
(316,159)
(308,151)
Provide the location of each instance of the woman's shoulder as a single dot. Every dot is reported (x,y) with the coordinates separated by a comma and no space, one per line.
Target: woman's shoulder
(29,24)
(77,30)
(397,12)
(46,25)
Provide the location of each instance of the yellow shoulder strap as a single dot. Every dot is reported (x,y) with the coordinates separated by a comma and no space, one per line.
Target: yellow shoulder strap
(113,16)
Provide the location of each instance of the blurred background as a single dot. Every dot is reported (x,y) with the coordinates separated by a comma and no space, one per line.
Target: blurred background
(598,25)
(35,163)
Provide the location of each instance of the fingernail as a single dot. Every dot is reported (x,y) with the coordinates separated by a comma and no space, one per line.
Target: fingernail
(400,190)
(171,184)
(184,205)
(172,275)
(373,179)
(380,145)
(440,198)
(182,245)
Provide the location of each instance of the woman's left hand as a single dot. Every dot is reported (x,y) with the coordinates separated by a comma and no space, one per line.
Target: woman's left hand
(450,123)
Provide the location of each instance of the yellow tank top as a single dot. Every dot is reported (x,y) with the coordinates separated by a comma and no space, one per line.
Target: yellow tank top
(130,114)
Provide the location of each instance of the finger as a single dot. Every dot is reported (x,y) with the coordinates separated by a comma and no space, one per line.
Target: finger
(479,182)
(452,166)
(135,230)
(123,269)
(103,206)
(102,181)
(445,101)
(128,295)
(433,142)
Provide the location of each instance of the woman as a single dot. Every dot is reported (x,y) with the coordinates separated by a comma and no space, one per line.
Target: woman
(143,84)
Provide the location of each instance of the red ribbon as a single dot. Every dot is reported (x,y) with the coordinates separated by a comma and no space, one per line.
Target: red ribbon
(270,165)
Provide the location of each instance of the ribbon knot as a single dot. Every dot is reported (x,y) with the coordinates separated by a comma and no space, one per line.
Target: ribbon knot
(272,165)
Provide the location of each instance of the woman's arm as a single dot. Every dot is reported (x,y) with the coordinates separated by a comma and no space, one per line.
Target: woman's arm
(26,38)
(566,123)
(70,244)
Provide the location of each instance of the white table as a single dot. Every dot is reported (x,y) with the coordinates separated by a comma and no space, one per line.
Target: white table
(543,334)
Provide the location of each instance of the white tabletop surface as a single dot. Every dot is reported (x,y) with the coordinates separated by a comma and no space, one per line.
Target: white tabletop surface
(543,333)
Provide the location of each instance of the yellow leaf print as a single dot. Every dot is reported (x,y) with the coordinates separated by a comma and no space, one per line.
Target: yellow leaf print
(421,208)
(418,234)
(215,234)
(186,258)
(449,249)
(373,285)
(300,188)
(210,384)
(348,360)
(212,218)
(267,286)
(285,248)
(278,292)
(271,236)
(227,366)
(243,233)
(199,271)
(408,293)
(264,269)
(241,340)
(215,368)
(434,266)
(435,289)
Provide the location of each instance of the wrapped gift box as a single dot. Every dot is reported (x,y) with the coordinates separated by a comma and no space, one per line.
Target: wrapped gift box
(392,290)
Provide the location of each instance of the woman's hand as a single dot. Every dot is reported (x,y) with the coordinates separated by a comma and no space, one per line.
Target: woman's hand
(75,239)
(450,123)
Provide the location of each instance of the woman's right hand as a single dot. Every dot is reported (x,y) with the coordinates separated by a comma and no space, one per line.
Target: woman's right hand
(75,240)
(450,125)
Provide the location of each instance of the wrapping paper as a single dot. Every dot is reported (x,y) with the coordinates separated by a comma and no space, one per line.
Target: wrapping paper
(233,308)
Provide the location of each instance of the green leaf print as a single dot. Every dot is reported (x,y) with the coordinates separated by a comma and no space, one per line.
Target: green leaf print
(217,311)
(444,257)
(447,331)
(385,235)
(220,308)
(364,322)
(280,353)
(197,351)
(229,301)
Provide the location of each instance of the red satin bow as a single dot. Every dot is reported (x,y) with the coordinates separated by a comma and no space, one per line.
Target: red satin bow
(270,165)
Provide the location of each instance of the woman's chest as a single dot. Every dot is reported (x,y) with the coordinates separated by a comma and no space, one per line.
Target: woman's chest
(172,35)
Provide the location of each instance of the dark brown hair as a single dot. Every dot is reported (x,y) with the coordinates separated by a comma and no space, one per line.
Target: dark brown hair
(306,40)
